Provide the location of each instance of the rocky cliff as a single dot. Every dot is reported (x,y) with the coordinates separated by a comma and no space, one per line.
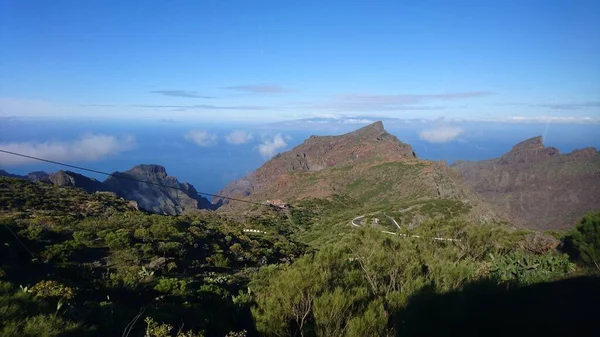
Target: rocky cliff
(156,197)
(153,197)
(537,186)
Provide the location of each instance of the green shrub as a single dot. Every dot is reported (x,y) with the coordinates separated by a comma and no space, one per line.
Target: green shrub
(583,243)
(119,239)
(529,268)
(83,238)
(52,289)
(172,286)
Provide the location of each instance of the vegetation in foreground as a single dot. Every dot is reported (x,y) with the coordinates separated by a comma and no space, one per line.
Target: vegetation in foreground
(107,271)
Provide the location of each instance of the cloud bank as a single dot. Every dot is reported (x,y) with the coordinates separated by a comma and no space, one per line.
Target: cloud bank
(441,134)
(271,146)
(568,106)
(203,106)
(238,137)
(90,147)
(201,138)
(260,89)
(179,93)
(394,102)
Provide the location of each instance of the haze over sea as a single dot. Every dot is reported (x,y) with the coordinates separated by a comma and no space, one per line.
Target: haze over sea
(211,155)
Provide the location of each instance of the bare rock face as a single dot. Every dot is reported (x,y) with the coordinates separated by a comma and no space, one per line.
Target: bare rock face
(156,197)
(530,151)
(72,179)
(536,185)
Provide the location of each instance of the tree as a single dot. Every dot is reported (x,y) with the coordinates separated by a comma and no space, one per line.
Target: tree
(583,243)
(289,297)
(332,310)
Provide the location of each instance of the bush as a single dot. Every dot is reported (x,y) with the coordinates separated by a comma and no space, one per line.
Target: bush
(529,268)
(52,289)
(118,239)
(583,243)
(172,286)
(83,238)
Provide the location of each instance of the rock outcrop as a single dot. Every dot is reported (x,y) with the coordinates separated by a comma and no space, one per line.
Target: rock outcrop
(537,186)
(156,196)
(152,197)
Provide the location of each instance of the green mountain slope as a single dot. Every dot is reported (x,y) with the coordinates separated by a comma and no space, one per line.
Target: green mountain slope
(78,264)
(372,171)
(95,261)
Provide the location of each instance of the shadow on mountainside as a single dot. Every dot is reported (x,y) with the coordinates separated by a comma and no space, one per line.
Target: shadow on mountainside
(563,308)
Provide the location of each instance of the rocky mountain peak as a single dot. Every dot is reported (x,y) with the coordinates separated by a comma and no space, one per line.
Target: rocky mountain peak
(368,145)
(72,179)
(534,184)
(376,127)
(164,195)
(587,152)
(149,170)
(529,151)
(534,143)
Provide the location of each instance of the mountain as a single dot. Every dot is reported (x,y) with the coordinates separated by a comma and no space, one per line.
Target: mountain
(72,179)
(369,165)
(39,199)
(150,197)
(537,186)
(10,175)
(318,153)
(153,197)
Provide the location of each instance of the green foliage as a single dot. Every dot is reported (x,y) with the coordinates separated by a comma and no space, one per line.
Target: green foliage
(172,286)
(83,238)
(154,329)
(529,268)
(119,239)
(332,309)
(60,251)
(52,289)
(97,262)
(362,285)
(22,314)
(372,322)
(583,243)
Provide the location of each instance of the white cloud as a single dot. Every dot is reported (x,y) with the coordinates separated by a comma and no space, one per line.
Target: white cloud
(238,137)
(441,134)
(271,146)
(201,138)
(357,121)
(87,148)
(548,119)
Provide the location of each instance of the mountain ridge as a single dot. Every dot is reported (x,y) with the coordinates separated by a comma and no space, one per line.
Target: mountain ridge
(536,185)
(319,152)
(130,186)
(369,165)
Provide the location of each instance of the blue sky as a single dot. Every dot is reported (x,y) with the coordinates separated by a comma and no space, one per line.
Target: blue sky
(265,61)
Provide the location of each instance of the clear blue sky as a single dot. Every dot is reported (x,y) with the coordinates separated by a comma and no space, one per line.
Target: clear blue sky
(272,60)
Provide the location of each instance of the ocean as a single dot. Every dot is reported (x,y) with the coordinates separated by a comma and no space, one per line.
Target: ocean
(210,168)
